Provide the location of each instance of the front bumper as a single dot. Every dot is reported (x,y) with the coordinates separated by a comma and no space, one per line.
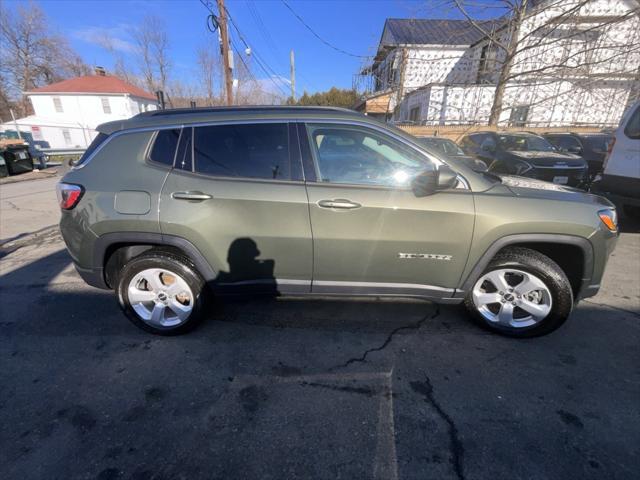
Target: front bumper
(603,242)
(575,176)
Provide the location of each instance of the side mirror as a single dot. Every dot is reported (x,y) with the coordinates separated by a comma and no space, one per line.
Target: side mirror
(429,182)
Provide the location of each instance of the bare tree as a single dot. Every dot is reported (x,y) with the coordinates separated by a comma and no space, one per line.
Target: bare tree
(209,66)
(552,40)
(152,44)
(32,55)
(180,95)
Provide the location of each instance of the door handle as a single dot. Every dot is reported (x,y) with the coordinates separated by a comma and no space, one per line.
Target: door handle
(338,203)
(193,196)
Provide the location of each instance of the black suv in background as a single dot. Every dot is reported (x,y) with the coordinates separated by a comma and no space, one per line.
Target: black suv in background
(593,147)
(526,154)
(452,151)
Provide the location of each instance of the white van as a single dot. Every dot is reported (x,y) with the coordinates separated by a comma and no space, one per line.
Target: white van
(621,174)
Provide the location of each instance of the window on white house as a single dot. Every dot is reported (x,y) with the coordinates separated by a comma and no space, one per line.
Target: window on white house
(414,114)
(488,64)
(57,104)
(106,107)
(67,136)
(518,116)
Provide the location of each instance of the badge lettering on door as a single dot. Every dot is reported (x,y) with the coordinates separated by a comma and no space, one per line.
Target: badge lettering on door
(426,256)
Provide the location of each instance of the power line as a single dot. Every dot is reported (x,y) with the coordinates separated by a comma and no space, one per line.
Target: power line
(261,63)
(330,45)
(262,28)
(264,31)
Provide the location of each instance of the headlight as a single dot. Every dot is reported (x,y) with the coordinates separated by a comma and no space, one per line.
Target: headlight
(522,167)
(610,219)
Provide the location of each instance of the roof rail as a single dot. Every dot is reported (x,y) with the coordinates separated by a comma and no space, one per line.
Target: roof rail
(257,108)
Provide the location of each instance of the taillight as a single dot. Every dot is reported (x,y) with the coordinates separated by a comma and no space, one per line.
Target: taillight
(68,195)
(612,142)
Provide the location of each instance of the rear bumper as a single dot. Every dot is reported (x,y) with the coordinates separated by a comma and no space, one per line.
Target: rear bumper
(92,276)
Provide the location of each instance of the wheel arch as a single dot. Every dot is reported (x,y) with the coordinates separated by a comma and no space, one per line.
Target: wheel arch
(112,250)
(560,248)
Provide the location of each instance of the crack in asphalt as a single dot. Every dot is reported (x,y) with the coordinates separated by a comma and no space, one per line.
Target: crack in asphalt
(455,445)
(415,326)
(21,209)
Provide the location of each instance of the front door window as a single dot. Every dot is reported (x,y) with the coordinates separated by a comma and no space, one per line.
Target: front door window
(361,156)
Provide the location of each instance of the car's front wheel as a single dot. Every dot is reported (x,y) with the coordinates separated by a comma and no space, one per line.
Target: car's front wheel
(161,293)
(521,293)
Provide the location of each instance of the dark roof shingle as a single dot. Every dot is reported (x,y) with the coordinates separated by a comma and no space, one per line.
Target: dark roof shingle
(399,31)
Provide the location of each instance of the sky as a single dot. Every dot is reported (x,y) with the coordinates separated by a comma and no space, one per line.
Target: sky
(268,27)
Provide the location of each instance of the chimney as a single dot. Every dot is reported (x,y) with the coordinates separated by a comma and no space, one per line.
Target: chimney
(100,71)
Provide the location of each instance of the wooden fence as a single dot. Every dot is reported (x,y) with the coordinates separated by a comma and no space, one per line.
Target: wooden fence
(456,132)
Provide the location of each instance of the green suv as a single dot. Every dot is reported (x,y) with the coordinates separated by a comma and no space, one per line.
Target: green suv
(170,208)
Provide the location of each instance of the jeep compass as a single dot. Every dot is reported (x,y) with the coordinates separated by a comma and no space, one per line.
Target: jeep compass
(172,208)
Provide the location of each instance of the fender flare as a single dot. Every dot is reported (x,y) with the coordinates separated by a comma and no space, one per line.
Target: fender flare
(103,242)
(487,256)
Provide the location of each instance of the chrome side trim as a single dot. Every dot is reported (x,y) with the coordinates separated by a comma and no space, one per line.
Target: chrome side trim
(266,281)
(379,288)
(272,286)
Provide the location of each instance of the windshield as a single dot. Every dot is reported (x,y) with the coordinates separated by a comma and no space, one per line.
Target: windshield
(599,143)
(448,147)
(525,143)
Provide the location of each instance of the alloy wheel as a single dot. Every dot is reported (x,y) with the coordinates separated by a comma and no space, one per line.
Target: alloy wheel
(160,297)
(512,298)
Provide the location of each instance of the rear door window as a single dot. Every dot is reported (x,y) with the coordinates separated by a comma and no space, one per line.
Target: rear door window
(258,150)
(164,146)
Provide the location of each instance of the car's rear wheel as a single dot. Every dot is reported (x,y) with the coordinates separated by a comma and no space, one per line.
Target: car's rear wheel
(161,293)
(522,293)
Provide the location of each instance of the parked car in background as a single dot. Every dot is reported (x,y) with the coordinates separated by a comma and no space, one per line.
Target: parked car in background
(593,147)
(621,174)
(451,150)
(15,158)
(311,200)
(526,154)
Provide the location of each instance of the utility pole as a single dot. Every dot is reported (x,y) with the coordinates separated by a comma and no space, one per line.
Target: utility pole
(292,61)
(226,60)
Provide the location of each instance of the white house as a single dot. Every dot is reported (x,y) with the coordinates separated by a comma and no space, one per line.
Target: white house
(67,112)
(579,64)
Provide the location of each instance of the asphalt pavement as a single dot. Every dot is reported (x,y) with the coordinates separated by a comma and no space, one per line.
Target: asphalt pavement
(27,207)
(323,388)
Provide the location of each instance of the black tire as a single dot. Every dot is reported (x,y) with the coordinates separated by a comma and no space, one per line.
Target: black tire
(179,265)
(552,276)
